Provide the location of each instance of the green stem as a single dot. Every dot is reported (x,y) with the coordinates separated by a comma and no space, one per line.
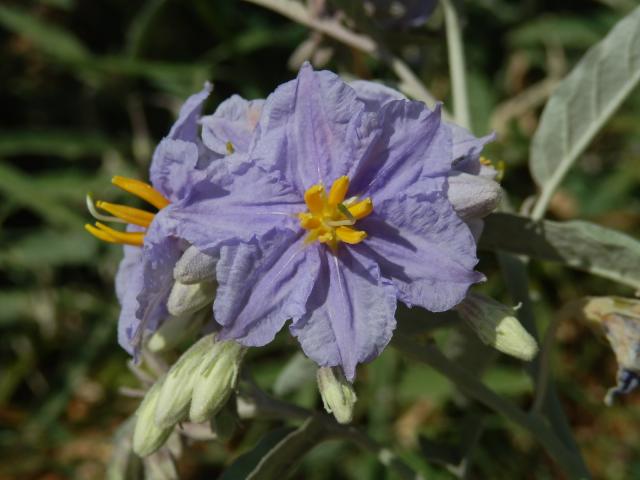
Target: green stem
(458,73)
(469,385)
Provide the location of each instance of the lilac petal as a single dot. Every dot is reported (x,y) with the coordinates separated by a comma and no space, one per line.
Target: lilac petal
(374,94)
(129,284)
(186,126)
(351,313)
(233,121)
(467,149)
(159,256)
(307,129)
(424,248)
(262,284)
(252,203)
(174,162)
(412,143)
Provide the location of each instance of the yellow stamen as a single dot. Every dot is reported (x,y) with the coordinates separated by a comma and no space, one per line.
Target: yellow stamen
(142,190)
(101,231)
(129,214)
(349,235)
(315,199)
(361,209)
(338,191)
(330,218)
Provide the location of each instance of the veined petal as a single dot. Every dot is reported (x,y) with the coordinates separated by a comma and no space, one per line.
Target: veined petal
(262,284)
(424,248)
(307,128)
(247,203)
(234,121)
(351,313)
(467,149)
(374,94)
(409,143)
(173,167)
(186,126)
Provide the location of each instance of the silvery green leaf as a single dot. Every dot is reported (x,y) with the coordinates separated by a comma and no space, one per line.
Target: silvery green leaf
(582,104)
(576,244)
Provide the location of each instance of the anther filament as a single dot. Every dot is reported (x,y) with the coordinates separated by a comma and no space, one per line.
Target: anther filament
(124,213)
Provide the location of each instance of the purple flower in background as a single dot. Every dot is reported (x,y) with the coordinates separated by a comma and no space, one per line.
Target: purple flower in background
(338,210)
(145,275)
(400,13)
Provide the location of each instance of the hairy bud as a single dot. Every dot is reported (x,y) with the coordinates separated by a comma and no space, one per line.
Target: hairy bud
(497,326)
(189,298)
(337,393)
(147,435)
(195,267)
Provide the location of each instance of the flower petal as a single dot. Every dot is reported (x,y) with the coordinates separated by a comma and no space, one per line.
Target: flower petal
(173,166)
(467,149)
(186,126)
(351,313)
(307,128)
(411,143)
(262,284)
(374,94)
(424,248)
(233,121)
(231,206)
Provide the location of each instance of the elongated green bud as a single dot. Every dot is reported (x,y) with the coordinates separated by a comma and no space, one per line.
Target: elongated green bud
(175,394)
(337,393)
(147,435)
(174,330)
(497,326)
(215,380)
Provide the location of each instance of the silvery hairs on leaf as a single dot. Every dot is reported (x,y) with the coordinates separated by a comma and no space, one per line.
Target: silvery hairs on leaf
(582,103)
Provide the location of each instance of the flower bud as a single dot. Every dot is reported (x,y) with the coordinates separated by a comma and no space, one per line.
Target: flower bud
(215,380)
(473,196)
(619,319)
(147,435)
(497,326)
(173,330)
(337,393)
(175,394)
(189,298)
(195,267)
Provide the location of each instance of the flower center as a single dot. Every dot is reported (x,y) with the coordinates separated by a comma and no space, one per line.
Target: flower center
(330,218)
(125,214)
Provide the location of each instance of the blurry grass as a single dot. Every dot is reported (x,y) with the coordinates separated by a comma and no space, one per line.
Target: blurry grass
(87,86)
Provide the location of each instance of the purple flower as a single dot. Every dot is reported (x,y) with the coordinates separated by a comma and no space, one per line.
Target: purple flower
(145,275)
(338,210)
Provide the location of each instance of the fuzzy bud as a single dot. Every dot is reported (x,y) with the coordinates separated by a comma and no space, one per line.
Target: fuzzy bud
(215,380)
(195,267)
(497,326)
(173,331)
(337,393)
(175,395)
(189,298)
(473,196)
(147,435)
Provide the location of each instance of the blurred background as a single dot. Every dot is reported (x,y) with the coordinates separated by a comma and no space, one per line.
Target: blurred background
(87,90)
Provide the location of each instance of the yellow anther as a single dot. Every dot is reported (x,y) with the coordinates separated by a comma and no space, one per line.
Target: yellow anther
(129,214)
(338,191)
(330,218)
(230,148)
(361,209)
(315,199)
(349,235)
(485,161)
(308,221)
(101,231)
(142,190)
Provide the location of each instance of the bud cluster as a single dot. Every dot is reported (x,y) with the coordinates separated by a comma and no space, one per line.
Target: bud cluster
(196,387)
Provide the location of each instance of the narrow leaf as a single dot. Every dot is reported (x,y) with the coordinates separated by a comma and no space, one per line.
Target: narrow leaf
(286,455)
(577,244)
(582,104)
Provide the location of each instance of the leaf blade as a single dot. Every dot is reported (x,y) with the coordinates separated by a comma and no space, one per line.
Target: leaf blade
(582,104)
